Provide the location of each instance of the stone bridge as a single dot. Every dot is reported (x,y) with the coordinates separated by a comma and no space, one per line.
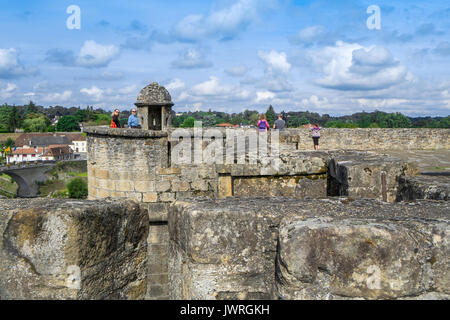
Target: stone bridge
(28,176)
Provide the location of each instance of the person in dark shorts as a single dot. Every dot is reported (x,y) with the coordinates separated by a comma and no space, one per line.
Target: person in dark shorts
(115,123)
(279,124)
(316,136)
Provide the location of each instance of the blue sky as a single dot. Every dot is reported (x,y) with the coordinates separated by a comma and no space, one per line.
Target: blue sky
(230,55)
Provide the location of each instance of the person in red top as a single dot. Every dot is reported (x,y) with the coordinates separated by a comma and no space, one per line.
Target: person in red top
(263,125)
(115,123)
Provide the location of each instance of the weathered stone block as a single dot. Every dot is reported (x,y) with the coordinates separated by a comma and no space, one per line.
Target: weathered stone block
(180,185)
(167,197)
(313,186)
(54,249)
(124,185)
(162,186)
(324,249)
(367,175)
(169,171)
(144,186)
(200,185)
(102,174)
(150,197)
(225,187)
(328,258)
(227,250)
(157,212)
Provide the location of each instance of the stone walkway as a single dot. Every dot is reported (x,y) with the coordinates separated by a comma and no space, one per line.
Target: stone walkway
(428,160)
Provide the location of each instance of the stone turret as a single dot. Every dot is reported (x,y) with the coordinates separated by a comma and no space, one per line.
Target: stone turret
(154,107)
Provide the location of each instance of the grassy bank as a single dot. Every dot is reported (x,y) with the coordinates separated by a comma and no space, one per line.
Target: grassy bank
(59,177)
(8,188)
(6,136)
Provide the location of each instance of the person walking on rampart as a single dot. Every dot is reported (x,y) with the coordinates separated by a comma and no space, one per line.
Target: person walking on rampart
(263,125)
(316,135)
(115,123)
(133,121)
(279,124)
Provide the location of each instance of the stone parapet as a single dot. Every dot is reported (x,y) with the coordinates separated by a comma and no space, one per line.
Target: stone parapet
(58,249)
(267,248)
(368,139)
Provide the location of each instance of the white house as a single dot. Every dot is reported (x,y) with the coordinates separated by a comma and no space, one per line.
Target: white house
(78,143)
(25,155)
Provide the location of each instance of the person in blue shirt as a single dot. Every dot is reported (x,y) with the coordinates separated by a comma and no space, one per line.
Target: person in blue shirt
(133,121)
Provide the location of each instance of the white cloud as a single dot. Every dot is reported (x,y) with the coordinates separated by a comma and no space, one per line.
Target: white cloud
(93,54)
(95,93)
(129,90)
(212,91)
(276,62)
(315,102)
(354,67)
(237,71)
(276,72)
(10,66)
(57,97)
(175,84)
(191,58)
(8,91)
(262,96)
(224,23)
(211,87)
(309,35)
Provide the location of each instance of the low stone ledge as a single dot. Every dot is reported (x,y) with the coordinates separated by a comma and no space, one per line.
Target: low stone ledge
(124,132)
(325,249)
(424,187)
(398,251)
(67,249)
(367,175)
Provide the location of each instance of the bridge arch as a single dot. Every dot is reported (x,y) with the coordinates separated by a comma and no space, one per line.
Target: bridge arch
(27,178)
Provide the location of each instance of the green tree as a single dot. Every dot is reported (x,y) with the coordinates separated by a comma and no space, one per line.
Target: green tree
(102,119)
(5,113)
(270,115)
(31,108)
(81,115)
(67,124)
(365,121)
(36,122)
(444,123)
(188,122)
(237,120)
(254,117)
(15,119)
(78,188)
(334,124)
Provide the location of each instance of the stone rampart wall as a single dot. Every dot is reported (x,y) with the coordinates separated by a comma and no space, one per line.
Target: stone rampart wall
(369,139)
(137,165)
(354,139)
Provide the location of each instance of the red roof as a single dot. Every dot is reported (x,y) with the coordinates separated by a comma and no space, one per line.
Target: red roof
(28,151)
(227,125)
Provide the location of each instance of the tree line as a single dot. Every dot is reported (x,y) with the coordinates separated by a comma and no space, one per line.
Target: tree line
(33,118)
(376,119)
